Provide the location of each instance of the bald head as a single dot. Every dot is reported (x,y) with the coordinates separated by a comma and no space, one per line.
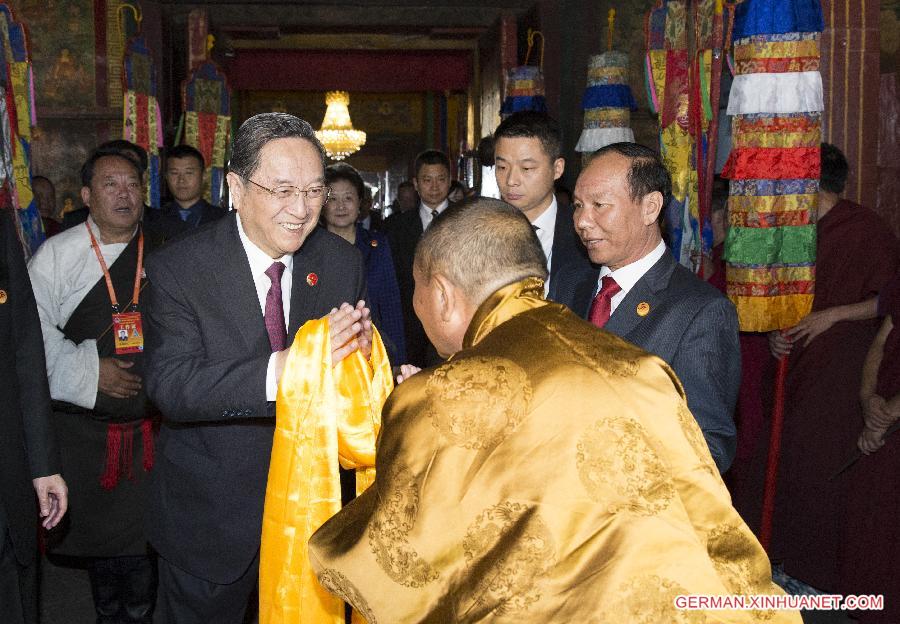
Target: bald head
(481,245)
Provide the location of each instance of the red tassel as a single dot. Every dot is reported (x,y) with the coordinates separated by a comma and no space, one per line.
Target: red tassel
(110,476)
(127,458)
(147,437)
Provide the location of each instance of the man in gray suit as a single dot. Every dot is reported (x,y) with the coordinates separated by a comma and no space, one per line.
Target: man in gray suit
(641,294)
(225,303)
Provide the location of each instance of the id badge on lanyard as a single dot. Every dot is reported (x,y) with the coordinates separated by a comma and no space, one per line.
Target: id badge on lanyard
(126,326)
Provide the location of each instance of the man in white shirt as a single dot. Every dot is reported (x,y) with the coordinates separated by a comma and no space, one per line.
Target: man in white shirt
(641,294)
(432,182)
(527,161)
(226,302)
(84,279)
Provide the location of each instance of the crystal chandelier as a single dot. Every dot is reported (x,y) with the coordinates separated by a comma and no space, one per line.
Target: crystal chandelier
(337,134)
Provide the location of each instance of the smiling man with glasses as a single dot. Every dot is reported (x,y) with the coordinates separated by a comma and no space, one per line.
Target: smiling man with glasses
(226,302)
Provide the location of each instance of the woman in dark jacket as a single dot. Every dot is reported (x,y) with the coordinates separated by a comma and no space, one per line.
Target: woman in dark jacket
(340,216)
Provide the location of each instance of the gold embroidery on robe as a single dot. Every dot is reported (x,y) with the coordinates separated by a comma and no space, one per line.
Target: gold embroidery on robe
(587,500)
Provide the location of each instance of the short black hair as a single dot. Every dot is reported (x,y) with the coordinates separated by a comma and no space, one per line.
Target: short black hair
(532,125)
(647,173)
(121,145)
(431,157)
(343,171)
(87,169)
(833,177)
(406,184)
(485,151)
(185,151)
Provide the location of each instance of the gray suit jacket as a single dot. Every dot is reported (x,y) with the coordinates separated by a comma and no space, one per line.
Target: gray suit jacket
(694,328)
(207,352)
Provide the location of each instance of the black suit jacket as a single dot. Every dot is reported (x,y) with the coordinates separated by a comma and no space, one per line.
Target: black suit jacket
(165,224)
(694,328)
(404,231)
(570,258)
(27,444)
(207,352)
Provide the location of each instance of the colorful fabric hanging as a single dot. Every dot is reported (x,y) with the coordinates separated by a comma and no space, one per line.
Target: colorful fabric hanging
(142,121)
(683,76)
(525,84)
(17,116)
(607,103)
(323,417)
(206,101)
(776,100)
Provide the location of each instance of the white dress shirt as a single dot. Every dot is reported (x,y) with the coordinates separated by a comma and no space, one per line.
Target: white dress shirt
(260,262)
(62,272)
(629,275)
(546,226)
(425,212)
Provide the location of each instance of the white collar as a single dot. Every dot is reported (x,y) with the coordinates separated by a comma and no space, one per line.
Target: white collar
(441,207)
(259,260)
(546,222)
(627,276)
(95,230)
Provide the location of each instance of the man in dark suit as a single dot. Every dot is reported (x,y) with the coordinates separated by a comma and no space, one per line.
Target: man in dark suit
(225,304)
(644,296)
(527,161)
(432,182)
(29,459)
(188,209)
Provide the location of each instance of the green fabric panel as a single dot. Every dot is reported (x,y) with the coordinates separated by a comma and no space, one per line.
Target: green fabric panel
(776,245)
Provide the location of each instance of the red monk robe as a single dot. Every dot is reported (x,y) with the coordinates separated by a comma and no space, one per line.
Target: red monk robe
(856,256)
(871,543)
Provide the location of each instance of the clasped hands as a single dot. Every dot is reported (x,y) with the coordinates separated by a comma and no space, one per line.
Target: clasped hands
(350,329)
(878,415)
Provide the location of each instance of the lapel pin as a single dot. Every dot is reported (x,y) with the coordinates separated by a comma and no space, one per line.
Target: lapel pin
(374,243)
(3,297)
(643,308)
(312,279)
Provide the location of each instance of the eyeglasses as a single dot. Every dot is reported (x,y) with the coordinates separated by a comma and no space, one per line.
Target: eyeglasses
(285,193)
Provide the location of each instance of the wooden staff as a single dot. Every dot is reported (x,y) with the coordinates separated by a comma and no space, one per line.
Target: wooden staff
(768,508)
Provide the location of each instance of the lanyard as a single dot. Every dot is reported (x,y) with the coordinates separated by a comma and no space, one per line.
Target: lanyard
(137,275)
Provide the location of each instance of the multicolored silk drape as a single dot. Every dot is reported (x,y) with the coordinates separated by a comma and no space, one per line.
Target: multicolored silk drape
(776,100)
(206,101)
(323,417)
(679,75)
(142,123)
(17,116)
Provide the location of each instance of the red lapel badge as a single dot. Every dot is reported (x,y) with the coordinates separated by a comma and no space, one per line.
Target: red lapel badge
(312,279)
(374,243)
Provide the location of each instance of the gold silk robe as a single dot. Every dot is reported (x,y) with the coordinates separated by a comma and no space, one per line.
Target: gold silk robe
(548,472)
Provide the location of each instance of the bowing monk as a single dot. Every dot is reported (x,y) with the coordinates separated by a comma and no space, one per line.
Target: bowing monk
(548,471)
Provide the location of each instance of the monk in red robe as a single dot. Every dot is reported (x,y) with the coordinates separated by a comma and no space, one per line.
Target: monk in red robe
(856,256)
(871,542)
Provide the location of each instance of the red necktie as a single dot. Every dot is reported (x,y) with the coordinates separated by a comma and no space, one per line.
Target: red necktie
(275,309)
(601,308)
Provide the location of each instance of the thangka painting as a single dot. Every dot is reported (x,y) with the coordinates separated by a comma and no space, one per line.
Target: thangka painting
(61,40)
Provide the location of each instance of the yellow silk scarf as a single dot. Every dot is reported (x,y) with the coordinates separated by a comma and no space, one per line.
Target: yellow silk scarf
(323,416)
